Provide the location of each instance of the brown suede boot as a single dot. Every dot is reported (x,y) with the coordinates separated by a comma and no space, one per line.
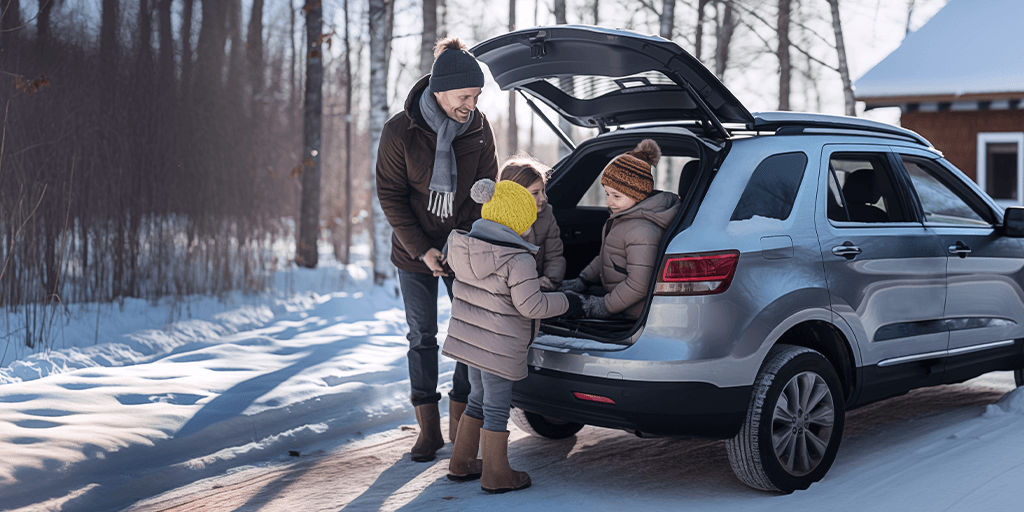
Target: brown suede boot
(430,439)
(464,466)
(498,476)
(455,410)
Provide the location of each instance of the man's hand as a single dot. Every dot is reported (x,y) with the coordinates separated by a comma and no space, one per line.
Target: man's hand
(546,285)
(435,262)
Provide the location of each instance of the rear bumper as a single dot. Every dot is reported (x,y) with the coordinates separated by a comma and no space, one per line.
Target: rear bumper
(657,408)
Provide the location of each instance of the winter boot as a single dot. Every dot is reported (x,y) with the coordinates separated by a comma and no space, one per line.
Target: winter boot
(455,410)
(498,477)
(430,439)
(464,466)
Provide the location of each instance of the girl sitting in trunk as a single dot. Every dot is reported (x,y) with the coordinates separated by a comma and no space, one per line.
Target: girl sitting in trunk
(496,310)
(530,173)
(630,238)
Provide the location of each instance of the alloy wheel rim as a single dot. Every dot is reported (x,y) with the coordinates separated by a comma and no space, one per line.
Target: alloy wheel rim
(802,423)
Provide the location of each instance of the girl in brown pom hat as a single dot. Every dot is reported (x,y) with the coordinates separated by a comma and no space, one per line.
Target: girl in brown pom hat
(629,244)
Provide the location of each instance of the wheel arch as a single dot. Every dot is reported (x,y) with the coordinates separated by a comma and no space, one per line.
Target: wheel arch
(828,339)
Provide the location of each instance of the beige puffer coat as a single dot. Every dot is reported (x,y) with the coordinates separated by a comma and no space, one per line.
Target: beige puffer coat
(629,253)
(546,235)
(497,303)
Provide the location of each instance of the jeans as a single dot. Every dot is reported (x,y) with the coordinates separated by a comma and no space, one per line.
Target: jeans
(490,400)
(419,292)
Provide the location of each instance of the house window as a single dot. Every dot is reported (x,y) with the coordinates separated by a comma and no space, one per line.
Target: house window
(1001,166)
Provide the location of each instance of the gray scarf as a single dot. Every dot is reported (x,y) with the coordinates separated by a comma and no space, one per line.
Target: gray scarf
(445,175)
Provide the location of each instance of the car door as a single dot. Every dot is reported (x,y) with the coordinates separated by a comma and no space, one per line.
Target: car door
(984,311)
(885,271)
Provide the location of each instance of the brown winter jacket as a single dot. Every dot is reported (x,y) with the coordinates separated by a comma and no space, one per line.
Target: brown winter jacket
(405,162)
(629,252)
(546,235)
(497,303)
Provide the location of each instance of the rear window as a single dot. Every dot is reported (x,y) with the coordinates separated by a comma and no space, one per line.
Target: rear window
(772,188)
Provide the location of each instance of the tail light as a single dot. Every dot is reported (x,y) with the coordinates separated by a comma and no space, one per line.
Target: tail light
(593,398)
(697,274)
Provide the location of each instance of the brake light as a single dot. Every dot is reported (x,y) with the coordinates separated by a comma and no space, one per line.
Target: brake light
(593,398)
(697,274)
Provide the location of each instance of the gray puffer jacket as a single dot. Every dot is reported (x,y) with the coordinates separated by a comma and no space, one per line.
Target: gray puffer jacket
(497,301)
(629,253)
(547,237)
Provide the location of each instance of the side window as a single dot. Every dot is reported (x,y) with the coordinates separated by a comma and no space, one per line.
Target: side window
(941,204)
(862,189)
(772,188)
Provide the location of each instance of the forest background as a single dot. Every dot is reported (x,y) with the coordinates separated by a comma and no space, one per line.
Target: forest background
(166,148)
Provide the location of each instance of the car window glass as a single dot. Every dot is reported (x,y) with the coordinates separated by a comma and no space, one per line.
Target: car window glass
(861,189)
(941,204)
(772,188)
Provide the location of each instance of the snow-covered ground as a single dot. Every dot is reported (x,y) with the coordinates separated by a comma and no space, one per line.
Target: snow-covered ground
(297,400)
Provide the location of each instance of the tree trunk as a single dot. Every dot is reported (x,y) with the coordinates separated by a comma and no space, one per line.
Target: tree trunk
(723,36)
(186,48)
(10,21)
(668,19)
(309,221)
(698,34)
(429,36)
(380,18)
(254,51)
(347,213)
(166,59)
(210,50)
(785,67)
(293,85)
(844,70)
(236,62)
(512,137)
(109,51)
(566,84)
(43,24)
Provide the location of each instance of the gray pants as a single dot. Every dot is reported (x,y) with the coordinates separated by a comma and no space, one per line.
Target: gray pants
(419,292)
(490,400)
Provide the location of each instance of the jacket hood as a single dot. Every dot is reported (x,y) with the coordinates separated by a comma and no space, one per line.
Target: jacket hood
(660,208)
(485,248)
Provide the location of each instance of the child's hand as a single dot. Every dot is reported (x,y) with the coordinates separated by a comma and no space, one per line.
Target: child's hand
(594,307)
(573,285)
(546,285)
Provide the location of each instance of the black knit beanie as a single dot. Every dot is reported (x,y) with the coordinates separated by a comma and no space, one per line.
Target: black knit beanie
(455,69)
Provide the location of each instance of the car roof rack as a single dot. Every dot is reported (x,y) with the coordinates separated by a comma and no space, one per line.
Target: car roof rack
(805,122)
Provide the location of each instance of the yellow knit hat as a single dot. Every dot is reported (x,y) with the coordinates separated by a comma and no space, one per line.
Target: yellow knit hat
(507,203)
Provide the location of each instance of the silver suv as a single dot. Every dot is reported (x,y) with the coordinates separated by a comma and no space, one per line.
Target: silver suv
(819,263)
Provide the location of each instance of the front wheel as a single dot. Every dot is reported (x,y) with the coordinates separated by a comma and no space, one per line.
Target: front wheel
(794,422)
(544,426)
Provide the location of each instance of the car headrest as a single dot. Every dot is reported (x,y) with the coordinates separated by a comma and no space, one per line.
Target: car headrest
(686,177)
(861,187)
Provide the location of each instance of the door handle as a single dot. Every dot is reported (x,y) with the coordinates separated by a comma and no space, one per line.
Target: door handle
(847,250)
(960,249)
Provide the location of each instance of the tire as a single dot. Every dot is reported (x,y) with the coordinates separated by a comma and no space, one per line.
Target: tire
(771,419)
(544,426)
(1018,376)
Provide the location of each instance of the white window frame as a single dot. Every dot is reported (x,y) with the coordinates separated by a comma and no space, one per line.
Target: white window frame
(985,138)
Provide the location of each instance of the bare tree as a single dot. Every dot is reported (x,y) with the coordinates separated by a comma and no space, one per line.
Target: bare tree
(698,31)
(429,36)
(306,254)
(785,67)
(380,22)
(726,25)
(254,50)
(844,70)
(668,19)
(513,125)
(186,48)
(10,21)
(565,83)
(43,23)
(347,212)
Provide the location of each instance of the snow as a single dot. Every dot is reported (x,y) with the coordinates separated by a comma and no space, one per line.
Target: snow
(968,47)
(298,400)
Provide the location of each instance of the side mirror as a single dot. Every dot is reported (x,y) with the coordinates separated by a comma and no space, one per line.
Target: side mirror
(1013,221)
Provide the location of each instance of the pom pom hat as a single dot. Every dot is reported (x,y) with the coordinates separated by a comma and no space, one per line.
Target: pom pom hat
(630,173)
(505,202)
(454,67)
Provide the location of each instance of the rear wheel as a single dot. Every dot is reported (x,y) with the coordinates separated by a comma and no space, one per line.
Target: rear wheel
(544,426)
(794,422)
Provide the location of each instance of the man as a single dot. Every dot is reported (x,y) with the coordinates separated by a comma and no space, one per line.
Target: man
(430,155)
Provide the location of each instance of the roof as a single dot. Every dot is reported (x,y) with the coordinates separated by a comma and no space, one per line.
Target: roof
(970,47)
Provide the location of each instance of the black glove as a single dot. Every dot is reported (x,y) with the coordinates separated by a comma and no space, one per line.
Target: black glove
(594,307)
(577,285)
(575,306)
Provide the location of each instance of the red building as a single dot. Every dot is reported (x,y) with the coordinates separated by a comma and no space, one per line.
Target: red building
(959,82)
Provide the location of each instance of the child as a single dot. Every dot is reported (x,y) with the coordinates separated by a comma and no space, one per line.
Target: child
(530,173)
(629,244)
(495,311)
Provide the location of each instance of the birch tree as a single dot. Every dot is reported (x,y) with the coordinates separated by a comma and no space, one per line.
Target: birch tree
(844,70)
(785,66)
(309,222)
(380,31)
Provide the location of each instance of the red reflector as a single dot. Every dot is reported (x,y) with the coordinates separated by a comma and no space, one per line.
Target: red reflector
(593,398)
(712,267)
